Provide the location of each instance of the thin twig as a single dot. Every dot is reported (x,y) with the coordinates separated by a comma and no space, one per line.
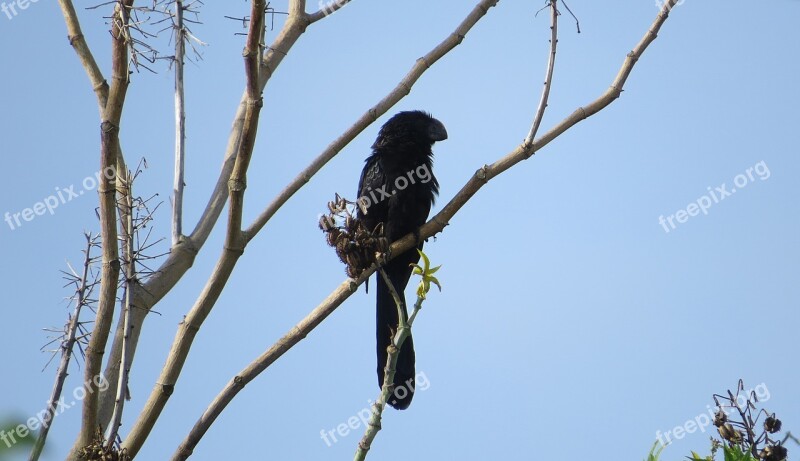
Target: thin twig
(548,79)
(789,436)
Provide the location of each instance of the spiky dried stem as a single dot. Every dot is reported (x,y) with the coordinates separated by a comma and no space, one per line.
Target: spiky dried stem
(67,345)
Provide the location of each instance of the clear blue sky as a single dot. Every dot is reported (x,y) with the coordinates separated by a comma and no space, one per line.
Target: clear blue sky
(571,322)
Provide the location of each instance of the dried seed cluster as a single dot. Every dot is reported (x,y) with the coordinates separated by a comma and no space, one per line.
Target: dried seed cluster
(741,431)
(99,450)
(356,246)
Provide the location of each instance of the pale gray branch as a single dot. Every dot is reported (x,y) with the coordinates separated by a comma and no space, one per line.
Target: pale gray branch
(180,125)
(548,79)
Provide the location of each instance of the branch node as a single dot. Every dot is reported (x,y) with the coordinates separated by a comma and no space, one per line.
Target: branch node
(108,127)
(238,250)
(440,223)
(237,185)
(482,173)
(167,389)
(73,38)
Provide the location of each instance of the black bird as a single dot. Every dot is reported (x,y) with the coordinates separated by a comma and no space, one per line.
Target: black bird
(397,189)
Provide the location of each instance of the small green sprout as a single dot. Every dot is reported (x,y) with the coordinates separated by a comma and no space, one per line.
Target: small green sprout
(427,275)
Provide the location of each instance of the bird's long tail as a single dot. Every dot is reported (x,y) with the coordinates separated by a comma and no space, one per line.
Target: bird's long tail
(399,272)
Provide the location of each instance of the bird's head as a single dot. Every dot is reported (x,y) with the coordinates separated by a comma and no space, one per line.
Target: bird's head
(415,127)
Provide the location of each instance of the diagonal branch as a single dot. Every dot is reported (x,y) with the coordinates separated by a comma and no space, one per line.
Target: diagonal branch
(78,42)
(429,229)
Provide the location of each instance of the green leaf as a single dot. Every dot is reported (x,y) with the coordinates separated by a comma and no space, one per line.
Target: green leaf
(426,273)
(655,452)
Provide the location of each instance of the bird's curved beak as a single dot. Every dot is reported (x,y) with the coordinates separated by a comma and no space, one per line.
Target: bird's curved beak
(437,131)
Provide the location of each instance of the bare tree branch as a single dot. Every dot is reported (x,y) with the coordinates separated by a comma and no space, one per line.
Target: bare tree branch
(109,136)
(78,42)
(180,125)
(548,79)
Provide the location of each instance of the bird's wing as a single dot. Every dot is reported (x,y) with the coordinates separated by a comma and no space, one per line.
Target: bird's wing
(372,204)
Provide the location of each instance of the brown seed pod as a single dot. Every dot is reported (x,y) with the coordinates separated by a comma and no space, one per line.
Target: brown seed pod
(773,453)
(772,424)
(727,432)
(720,418)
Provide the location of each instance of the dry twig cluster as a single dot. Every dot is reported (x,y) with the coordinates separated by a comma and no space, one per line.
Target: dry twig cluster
(356,246)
